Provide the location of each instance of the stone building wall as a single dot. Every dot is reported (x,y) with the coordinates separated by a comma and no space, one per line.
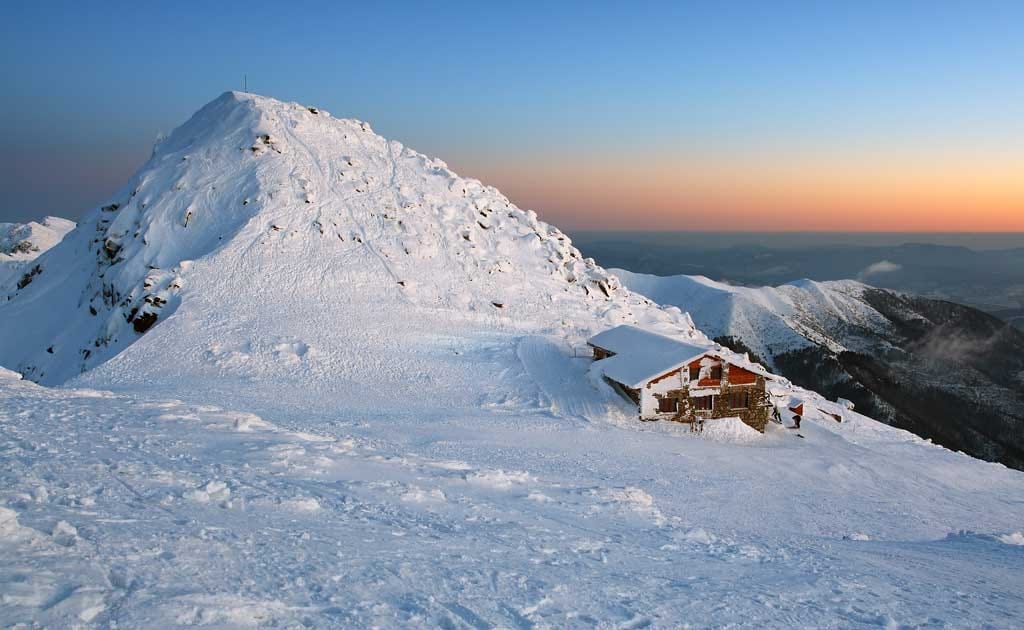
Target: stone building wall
(755,415)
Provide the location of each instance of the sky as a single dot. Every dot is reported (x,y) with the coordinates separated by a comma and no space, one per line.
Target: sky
(787,116)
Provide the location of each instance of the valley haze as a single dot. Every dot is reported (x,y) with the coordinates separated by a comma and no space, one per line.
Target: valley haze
(297,374)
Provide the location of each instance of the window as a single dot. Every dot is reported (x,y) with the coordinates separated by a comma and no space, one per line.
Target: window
(739,400)
(668,405)
(704,403)
(716,373)
(694,372)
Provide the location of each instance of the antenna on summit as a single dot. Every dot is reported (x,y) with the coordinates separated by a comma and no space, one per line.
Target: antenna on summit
(245,83)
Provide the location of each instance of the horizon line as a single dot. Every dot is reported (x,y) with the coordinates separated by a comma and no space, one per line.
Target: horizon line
(726,231)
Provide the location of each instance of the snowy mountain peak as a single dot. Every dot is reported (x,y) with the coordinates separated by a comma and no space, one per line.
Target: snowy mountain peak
(316,379)
(22,243)
(25,241)
(250,187)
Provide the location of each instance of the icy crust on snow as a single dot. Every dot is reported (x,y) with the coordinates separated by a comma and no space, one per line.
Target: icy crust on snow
(255,201)
(776,320)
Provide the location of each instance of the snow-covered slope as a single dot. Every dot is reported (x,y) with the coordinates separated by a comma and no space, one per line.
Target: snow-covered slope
(942,370)
(25,241)
(330,383)
(771,320)
(140,512)
(21,243)
(286,241)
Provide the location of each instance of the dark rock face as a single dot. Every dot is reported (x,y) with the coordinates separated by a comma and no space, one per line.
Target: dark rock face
(144,322)
(941,370)
(26,279)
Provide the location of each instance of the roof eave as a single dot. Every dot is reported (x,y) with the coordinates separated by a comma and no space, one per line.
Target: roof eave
(651,377)
(717,355)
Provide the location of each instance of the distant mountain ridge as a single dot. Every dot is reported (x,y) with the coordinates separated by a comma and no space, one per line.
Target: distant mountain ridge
(21,243)
(942,370)
(988,279)
(25,241)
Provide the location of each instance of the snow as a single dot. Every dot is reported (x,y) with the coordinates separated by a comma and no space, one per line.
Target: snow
(778,319)
(21,243)
(567,387)
(334,423)
(25,241)
(260,232)
(729,430)
(159,513)
(1015,538)
(641,355)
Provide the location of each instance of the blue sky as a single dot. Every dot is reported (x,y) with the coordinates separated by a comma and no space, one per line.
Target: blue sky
(498,90)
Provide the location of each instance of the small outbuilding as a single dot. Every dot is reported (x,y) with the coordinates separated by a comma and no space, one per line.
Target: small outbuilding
(669,379)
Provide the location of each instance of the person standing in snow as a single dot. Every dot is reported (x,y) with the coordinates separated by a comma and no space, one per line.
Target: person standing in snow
(798,412)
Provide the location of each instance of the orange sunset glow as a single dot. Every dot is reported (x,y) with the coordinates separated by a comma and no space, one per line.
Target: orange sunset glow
(754,192)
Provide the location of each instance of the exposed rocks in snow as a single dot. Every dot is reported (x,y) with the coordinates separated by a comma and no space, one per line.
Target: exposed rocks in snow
(26,279)
(197,198)
(25,241)
(20,245)
(263,144)
(64,534)
(143,321)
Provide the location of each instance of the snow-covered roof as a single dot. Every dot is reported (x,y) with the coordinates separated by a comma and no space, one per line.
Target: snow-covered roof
(641,355)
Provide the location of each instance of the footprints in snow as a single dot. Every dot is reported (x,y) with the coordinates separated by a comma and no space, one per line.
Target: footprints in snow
(402,505)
